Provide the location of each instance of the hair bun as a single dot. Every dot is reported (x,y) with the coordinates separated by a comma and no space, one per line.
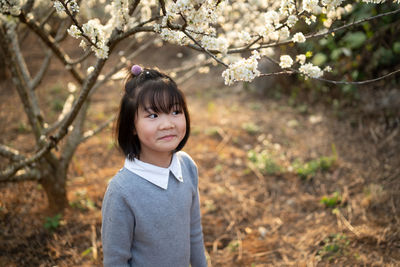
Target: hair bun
(136,70)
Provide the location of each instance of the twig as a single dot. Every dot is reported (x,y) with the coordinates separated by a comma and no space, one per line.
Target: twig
(94,243)
(389,138)
(204,49)
(360,82)
(91,133)
(340,216)
(240,243)
(216,242)
(53,140)
(121,65)
(52,44)
(39,75)
(10,153)
(76,23)
(255,171)
(186,76)
(314,35)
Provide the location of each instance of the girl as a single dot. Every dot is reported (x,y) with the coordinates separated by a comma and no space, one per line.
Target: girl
(151,213)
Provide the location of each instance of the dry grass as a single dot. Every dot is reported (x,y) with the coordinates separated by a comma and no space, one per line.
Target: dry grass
(251,216)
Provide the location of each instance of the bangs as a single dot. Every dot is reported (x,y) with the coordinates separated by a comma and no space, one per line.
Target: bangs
(161,96)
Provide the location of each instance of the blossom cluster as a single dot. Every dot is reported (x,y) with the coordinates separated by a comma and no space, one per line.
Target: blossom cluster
(96,33)
(214,26)
(10,6)
(242,70)
(72,6)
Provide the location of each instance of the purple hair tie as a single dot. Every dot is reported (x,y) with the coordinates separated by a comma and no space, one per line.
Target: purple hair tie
(136,70)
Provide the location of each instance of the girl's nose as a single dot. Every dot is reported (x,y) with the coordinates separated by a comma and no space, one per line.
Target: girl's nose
(166,123)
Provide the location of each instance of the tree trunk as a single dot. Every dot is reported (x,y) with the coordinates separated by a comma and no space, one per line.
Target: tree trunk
(54,184)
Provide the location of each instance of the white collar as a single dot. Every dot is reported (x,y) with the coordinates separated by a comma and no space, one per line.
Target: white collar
(154,174)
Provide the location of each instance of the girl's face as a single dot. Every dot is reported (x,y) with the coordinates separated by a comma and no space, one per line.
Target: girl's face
(159,133)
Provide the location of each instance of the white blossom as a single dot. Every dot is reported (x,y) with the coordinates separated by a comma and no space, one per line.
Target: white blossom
(298,38)
(291,21)
(301,58)
(284,33)
(101,51)
(73,5)
(311,6)
(59,7)
(83,44)
(285,61)
(10,6)
(311,71)
(242,70)
(219,44)
(90,70)
(74,31)
(287,7)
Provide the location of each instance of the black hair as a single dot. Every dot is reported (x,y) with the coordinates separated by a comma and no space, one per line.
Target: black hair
(160,93)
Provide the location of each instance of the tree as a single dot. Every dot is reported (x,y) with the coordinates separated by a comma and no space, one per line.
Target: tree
(225,31)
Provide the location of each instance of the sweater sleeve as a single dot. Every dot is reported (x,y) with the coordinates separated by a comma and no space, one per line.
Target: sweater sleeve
(197,252)
(117,228)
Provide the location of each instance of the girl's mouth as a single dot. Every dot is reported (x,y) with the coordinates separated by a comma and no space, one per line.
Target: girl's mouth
(167,137)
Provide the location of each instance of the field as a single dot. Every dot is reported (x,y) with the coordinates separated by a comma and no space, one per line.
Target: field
(283,181)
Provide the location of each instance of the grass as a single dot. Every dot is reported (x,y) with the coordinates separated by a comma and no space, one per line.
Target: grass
(251,128)
(309,169)
(264,162)
(334,246)
(331,201)
(52,223)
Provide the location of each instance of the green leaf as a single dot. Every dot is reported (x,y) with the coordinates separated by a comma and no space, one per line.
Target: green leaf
(396,47)
(86,252)
(319,59)
(354,40)
(383,56)
(336,54)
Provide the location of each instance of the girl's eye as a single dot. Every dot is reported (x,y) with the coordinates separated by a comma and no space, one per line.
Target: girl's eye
(152,116)
(176,112)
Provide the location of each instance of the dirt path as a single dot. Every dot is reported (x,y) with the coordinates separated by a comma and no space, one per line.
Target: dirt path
(265,167)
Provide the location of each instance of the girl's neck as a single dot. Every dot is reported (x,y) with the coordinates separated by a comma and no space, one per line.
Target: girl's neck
(161,160)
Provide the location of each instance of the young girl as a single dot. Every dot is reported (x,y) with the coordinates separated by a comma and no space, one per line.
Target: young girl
(151,213)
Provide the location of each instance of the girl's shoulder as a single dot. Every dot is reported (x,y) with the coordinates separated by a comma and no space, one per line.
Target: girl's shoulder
(185,158)
(189,167)
(122,180)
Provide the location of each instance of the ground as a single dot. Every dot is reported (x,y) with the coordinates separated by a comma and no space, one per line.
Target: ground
(282,183)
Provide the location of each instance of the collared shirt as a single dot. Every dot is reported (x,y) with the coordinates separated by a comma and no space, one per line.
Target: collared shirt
(154,174)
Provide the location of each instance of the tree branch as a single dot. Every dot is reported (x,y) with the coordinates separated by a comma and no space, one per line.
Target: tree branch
(52,141)
(138,28)
(121,65)
(9,44)
(359,82)
(76,23)
(91,133)
(87,53)
(51,43)
(133,7)
(314,35)
(10,153)
(293,71)
(24,175)
(204,49)
(73,139)
(40,74)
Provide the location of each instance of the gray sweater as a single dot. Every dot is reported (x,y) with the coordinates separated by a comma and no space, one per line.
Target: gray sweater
(145,225)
